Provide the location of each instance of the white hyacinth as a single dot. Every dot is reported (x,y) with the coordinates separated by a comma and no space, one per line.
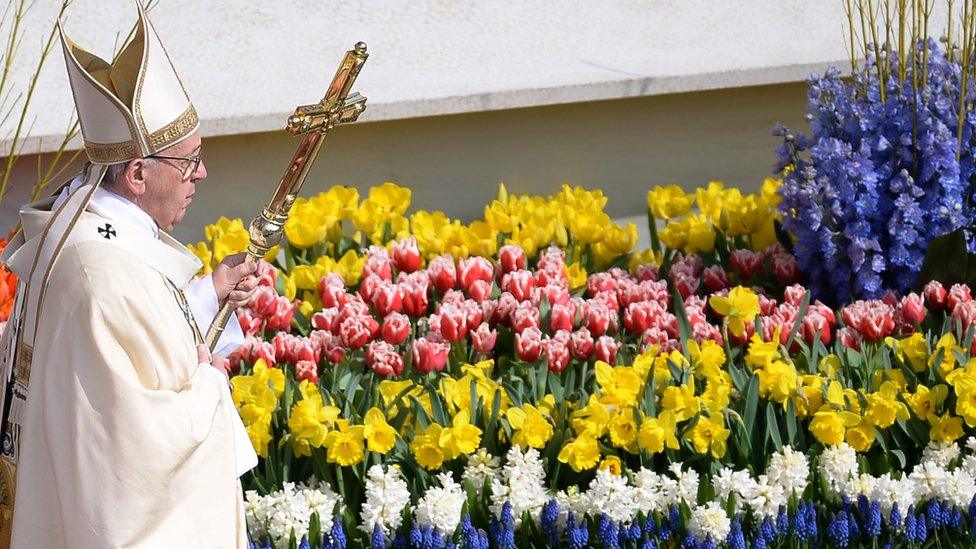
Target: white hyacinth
(888,491)
(609,494)
(386,497)
(790,470)
(289,510)
(648,494)
(709,521)
(838,465)
(481,466)
(571,501)
(522,483)
(764,498)
(441,505)
(737,484)
(941,453)
(687,487)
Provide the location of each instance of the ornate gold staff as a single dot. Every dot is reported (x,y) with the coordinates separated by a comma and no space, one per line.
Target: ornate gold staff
(312,121)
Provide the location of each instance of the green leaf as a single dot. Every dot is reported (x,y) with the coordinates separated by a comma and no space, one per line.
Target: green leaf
(684,327)
(804,305)
(772,426)
(948,260)
(751,406)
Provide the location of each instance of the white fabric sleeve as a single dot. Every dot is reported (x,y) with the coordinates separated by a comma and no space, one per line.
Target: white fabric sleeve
(244,455)
(202,297)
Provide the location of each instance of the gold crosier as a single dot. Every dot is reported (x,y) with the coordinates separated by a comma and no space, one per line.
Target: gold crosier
(312,122)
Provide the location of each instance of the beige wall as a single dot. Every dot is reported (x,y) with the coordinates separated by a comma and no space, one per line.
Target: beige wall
(455,162)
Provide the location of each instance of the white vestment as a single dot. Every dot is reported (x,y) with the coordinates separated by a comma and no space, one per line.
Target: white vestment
(199,292)
(126,440)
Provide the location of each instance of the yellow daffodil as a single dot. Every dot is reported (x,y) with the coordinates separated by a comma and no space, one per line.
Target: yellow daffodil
(830,427)
(658,433)
(681,400)
(884,407)
(426,448)
(709,435)
(623,429)
(532,429)
(461,438)
(346,445)
(612,464)
(619,385)
(380,437)
(740,307)
(581,454)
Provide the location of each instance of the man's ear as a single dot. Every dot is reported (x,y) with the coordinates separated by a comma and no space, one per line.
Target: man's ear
(135,176)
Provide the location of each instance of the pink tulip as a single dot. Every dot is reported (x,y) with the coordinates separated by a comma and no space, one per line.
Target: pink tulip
(483,338)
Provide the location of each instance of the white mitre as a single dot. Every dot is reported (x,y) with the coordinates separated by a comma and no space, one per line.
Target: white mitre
(133,107)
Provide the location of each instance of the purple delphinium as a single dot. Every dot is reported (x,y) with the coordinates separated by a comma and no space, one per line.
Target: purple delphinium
(876,181)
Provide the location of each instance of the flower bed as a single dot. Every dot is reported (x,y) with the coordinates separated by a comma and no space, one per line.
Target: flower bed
(531,379)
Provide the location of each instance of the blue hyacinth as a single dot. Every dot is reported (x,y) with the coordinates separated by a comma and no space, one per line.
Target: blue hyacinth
(650,528)
(872,524)
(876,180)
(304,544)
(579,536)
(607,532)
(736,539)
(502,530)
(895,518)
(838,530)
(549,520)
(377,540)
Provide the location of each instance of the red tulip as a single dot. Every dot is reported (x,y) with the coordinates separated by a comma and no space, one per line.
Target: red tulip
(912,308)
(936,295)
(387,298)
(715,279)
(378,262)
(606,349)
(528,344)
(429,355)
(406,255)
(307,370)
(483,338)
(396,328)
(474,269)
(443,274)
(511,258)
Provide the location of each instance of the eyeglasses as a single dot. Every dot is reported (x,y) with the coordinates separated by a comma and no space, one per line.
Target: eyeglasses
(193,166)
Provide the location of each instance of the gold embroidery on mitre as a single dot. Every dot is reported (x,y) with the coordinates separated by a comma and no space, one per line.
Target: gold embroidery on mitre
(111,153)
(175,131)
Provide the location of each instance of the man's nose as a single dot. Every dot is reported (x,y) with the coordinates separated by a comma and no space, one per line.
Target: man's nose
(201,172)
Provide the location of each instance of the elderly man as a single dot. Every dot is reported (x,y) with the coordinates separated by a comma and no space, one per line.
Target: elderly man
(120,431)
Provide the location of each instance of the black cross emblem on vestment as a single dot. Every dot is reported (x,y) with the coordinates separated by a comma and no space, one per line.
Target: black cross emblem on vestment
(107,231)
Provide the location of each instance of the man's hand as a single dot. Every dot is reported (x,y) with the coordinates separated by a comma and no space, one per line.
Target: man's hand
(235,280)
(204,357)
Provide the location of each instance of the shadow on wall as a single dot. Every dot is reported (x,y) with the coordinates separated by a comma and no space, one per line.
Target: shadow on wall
(454,163)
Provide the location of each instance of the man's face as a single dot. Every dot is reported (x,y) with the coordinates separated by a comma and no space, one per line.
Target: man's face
(169,187)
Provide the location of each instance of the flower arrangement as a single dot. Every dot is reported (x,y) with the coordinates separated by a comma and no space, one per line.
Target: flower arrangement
(588,393)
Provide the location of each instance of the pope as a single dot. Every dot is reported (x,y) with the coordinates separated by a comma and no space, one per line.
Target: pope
(119,432)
